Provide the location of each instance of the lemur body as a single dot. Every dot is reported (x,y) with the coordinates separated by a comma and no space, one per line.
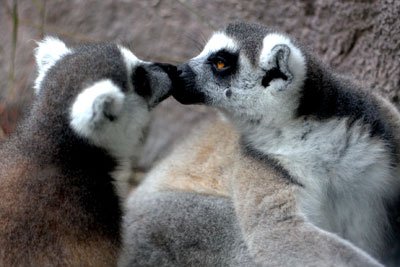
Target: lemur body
(58,202)
(192,210)
(336,142)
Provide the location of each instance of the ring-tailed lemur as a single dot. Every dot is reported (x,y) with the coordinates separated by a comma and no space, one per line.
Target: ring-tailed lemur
(58,204)
(334,142)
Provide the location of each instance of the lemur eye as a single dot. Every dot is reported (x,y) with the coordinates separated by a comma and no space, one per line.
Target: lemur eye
(220,65)
(223,63)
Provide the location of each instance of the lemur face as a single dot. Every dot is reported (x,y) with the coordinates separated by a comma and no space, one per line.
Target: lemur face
(246,70)
(104,91)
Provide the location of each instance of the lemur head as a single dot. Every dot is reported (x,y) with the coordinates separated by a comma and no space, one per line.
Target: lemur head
(246,70)
(100,92)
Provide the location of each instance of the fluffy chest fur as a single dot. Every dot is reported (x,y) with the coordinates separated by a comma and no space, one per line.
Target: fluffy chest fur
(345,173)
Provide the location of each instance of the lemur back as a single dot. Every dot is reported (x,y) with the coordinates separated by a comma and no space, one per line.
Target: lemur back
(59,205)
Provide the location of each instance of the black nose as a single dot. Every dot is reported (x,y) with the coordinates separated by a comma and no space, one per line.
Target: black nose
(185,89)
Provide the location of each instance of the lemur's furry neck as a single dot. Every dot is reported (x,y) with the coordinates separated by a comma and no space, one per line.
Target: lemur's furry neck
(325,99)
(77,164)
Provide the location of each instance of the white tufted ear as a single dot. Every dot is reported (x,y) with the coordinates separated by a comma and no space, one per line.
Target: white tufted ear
(96,105)
(283,63)
(49,50)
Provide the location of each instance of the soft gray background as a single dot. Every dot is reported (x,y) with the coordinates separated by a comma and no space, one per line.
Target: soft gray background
(359,38)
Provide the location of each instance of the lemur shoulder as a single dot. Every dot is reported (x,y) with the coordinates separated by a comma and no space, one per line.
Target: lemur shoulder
(58,202)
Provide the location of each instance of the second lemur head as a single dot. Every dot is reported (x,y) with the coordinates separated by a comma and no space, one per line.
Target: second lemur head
(247,71)
(101,93)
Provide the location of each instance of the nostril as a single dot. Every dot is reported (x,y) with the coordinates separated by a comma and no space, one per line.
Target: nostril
(179,72)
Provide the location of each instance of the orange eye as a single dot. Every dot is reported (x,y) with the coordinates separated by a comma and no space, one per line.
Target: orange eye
(220,65)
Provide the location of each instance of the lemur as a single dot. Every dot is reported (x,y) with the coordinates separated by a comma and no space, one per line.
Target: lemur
(314,158)
(332,140)
(201,205)
(222,199)
(58,202)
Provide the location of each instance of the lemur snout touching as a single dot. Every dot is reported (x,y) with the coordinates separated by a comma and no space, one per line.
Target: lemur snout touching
(335,141)
(58,204)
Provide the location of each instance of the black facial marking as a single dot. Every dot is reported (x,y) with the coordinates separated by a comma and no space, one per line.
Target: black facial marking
(255,121)
(229,60)
(305,134)
(141,83)
(228,93)
(184,88)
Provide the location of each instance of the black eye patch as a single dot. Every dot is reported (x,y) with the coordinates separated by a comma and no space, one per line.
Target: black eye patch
(141,82)
(223,63)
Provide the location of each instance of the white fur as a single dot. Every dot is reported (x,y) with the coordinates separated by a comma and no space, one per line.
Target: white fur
(120,136)
(333,160)
(130,61)
(49,51)
(217,42)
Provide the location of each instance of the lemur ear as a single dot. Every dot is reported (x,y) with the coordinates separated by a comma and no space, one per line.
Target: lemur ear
(276,64)
(95,106)
(49,50)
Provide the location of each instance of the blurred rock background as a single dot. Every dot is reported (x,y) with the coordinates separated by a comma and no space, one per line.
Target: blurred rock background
(356,37)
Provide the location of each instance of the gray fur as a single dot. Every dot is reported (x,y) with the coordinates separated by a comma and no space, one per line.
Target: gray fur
(250,37)
(182,229)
